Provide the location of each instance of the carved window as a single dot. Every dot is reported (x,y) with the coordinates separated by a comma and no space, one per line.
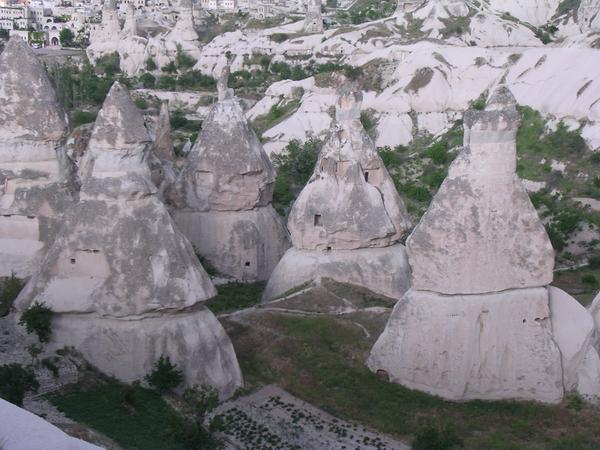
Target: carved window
(367,177)
(318,220)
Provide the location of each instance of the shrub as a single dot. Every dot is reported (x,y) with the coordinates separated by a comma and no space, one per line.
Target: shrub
(438,152)
(15,381)
(141,103)
(594,262)
(165,375)
(369,123)
(38,319)
(436,438)
(294,166)
(353,73)
(9,289)
(279,37)
(167,83)
(151,65)
(183,60)
(169,68)
(79,118)
(66,37)
(109,64)
(201,399)
(148,80)
(589,279)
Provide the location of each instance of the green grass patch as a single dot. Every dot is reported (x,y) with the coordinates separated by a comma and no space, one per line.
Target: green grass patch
(321,360)
(137,423)
(277,114)
(235,296)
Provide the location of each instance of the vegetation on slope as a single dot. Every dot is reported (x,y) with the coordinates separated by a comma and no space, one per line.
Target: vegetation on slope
(134,417)
(321,360)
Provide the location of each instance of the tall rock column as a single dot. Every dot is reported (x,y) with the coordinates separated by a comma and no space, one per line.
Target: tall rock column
(36,175)
(348,220)
(314,20)
(124,284)
(225,193)
(480,321)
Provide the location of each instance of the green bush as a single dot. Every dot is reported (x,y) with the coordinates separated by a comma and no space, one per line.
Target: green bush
(169,68)
(183,60)
(9,289)
(594,262)
(15,381)
(82,117)
(38,319)
(148,80)
(165,376)
(438,152)
(109,65)
(279,37)
(141,103)
(589,279)
(151,65)
(167,83)
(369,123)
(295,165)
(436,438)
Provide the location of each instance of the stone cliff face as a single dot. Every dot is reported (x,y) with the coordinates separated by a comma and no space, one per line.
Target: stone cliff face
(36,175)
(123,282)
(224,194)
(348,208)
(480,321)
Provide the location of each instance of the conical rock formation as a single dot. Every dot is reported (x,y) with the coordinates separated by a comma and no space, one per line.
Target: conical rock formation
(124,284)
(480,321)
(226,189)
(348,212)
(36,175)
(482,209)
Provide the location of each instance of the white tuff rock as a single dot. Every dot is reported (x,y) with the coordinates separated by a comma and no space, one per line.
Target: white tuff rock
(124,284)
(36,175)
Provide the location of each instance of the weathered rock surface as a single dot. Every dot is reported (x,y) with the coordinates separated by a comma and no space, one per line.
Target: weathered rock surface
(483,346)
(479,321)
(162,46)
(22,430)
(384,270)
(224,194)
(36,175)
(348,219)
(573,331)
(314,20)
(350,201)
(481,233)
(123,282)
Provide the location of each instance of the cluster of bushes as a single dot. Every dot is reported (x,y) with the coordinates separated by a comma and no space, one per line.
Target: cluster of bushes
(367,11)
(176,75)
(295,165)
(271,72)
(80,87)
(15,381)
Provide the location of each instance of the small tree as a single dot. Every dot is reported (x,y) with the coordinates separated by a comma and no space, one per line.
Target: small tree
(165,375)
(66,37)
(15,381)
(38,319)
(9,289)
